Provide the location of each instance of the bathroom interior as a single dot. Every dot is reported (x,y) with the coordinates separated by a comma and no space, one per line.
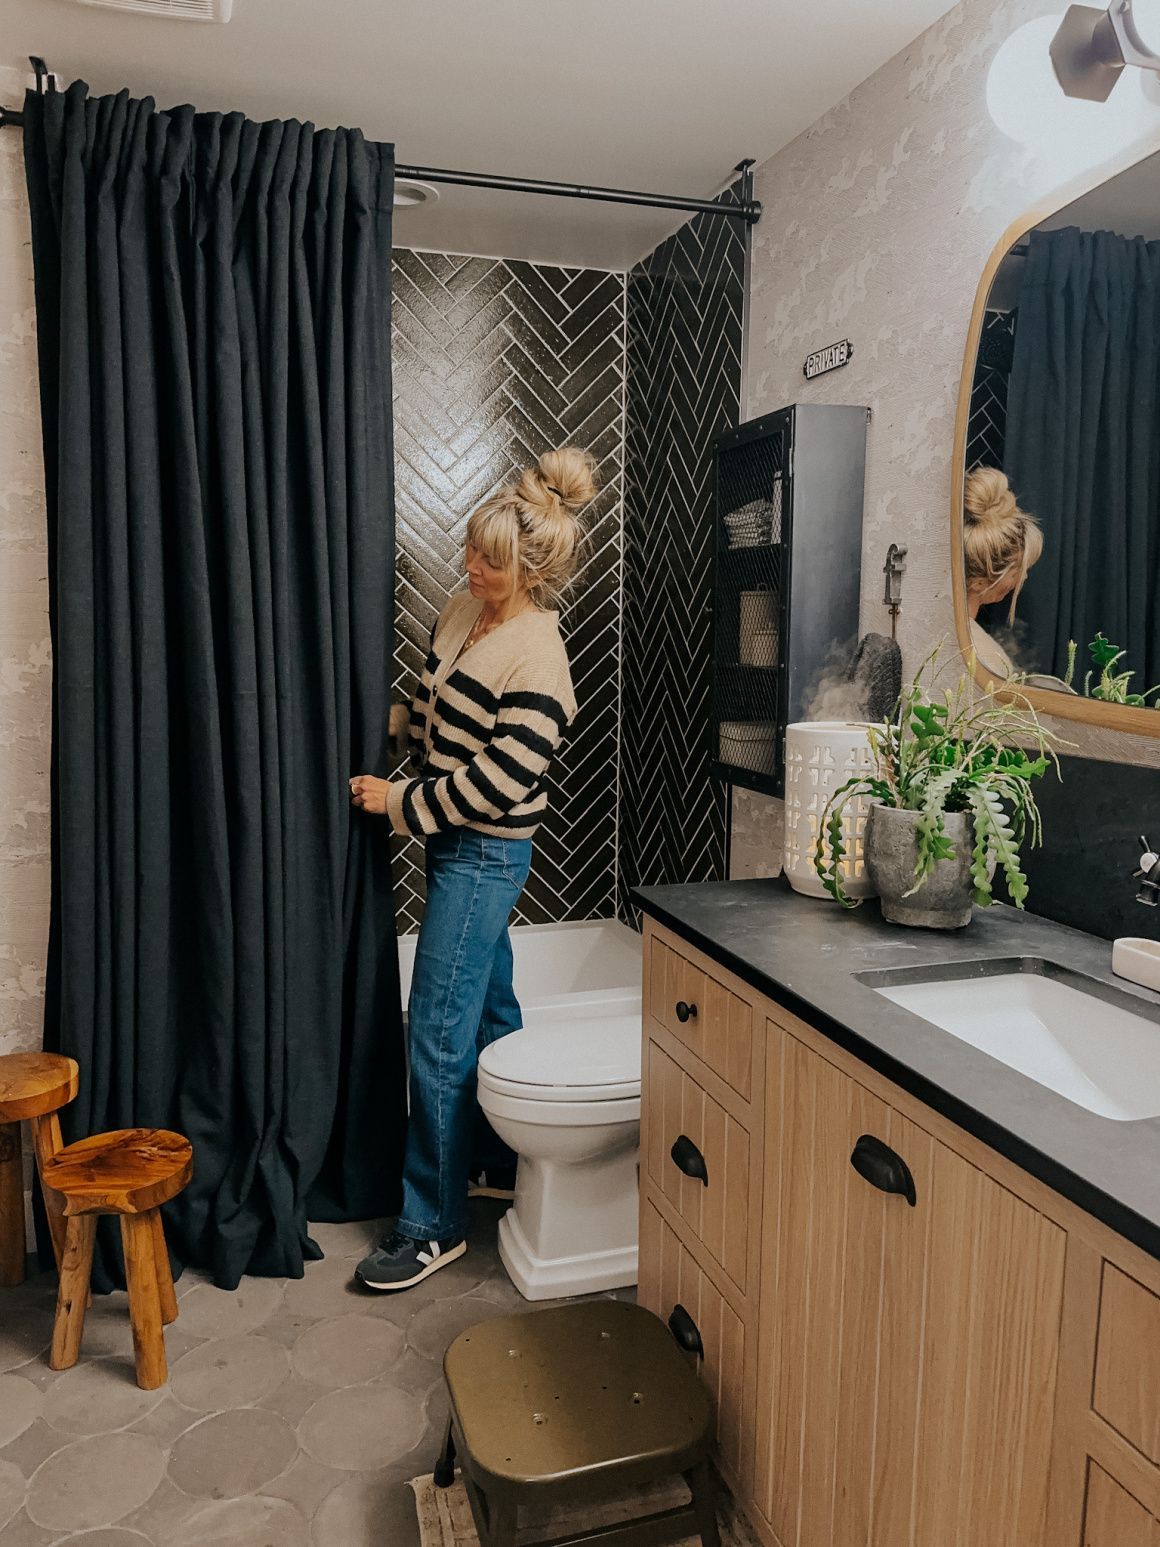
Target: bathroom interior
(837,1093)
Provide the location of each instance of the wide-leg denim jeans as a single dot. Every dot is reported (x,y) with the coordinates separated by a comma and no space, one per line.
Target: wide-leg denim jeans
(461,999)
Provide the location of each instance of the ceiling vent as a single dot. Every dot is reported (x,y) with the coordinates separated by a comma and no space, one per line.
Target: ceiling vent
(176,10)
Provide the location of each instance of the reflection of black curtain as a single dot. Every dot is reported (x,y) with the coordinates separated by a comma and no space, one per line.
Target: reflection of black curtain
(213,304)
(1083,444)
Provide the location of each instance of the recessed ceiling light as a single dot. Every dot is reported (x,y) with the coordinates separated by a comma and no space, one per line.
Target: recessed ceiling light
(410,194)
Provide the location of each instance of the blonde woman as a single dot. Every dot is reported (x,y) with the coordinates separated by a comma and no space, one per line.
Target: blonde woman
(1000,544)
(493,702)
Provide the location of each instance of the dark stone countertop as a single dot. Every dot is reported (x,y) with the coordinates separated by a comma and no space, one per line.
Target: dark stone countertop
(806,954)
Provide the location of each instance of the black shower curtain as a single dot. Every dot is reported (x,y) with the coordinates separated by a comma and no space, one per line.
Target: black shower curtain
(1083,444)
(213,304)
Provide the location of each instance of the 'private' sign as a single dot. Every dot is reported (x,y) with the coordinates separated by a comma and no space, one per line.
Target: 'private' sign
(828,359)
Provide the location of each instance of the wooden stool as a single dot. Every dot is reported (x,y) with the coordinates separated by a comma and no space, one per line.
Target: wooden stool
(130,1172)
(33,1086)
(579,1402)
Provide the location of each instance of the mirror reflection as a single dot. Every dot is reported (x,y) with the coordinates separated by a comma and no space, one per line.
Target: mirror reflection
(1061,517)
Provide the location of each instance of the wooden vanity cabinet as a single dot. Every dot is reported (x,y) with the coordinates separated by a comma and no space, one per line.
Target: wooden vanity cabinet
(978,1367)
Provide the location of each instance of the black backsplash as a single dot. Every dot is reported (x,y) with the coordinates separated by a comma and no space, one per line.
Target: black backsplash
(685,322)
(1092,820)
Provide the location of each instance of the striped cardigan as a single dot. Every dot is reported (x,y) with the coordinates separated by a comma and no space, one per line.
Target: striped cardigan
(484,726)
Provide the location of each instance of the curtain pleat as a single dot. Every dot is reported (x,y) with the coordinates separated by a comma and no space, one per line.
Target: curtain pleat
(213,300)
(1083,444)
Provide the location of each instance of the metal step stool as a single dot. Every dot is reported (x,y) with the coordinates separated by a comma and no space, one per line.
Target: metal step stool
(577,1403)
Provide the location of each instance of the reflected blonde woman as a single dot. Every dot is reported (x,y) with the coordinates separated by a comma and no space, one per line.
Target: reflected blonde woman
(1000,544)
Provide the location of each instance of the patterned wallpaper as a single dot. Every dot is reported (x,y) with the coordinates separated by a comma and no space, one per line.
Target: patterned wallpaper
(879,220)
(493,363)
(24,646)
(685,312)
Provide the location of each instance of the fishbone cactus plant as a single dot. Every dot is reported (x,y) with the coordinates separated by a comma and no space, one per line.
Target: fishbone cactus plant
(958,750)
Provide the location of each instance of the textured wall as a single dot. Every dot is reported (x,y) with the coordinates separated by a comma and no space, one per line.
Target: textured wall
(685,304)
(879,220)
(494,363)
(24,647)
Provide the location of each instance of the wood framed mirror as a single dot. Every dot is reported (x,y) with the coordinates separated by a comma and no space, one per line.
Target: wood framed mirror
(1059,406)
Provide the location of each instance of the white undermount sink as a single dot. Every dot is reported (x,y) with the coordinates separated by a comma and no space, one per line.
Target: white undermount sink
(1092,1048)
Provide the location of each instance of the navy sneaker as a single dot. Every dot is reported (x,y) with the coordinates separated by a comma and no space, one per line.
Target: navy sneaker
(400,1262)
(495,1182)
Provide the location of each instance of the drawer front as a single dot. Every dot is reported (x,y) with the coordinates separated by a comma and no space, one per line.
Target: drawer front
(699,1157)
(674,1287)
(1127,1384)
(703,1015)
(1113,1518)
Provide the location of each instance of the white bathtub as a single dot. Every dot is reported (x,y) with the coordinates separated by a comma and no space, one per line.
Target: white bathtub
(565,970)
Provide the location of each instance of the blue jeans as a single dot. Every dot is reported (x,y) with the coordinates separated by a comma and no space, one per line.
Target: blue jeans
(461,1000)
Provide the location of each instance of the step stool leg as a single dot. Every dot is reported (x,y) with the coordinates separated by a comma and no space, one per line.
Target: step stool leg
(501,1525)
(144,1300)
(73,1293)
(703,1486)
(46,1141)
(445,1466)
(165,1289)
(12,1244)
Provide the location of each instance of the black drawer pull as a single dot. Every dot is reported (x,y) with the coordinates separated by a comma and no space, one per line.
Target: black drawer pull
(686,1012)
(688,1158)
(684,1329)
(882,1168)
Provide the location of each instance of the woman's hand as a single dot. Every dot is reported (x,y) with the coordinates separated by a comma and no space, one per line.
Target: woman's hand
(369,794)
(398,721)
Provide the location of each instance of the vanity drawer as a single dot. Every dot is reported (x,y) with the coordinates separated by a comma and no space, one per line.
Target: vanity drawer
(1113,1518)
(1127,1383)
(674,1287)
(703,1014)
(699,1157)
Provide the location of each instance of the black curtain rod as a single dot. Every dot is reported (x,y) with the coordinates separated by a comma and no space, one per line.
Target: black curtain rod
(749,210)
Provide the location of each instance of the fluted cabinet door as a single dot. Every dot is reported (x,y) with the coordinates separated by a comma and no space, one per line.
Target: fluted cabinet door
(907,1353)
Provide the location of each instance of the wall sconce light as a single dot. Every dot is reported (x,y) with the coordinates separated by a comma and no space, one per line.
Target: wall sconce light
(1091,47)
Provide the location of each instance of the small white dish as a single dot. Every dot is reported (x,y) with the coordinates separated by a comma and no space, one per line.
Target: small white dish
(1137,960)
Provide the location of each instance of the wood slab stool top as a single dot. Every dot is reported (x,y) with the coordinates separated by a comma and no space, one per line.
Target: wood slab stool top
(130,1172)
(579,1402)
(33,1087)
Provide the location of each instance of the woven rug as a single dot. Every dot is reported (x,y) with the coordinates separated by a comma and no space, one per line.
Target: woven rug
(445,1516)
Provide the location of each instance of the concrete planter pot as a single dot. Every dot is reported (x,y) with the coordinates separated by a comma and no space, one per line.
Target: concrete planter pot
(945,900)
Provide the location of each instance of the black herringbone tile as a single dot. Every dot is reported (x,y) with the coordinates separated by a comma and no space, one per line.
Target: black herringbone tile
(685,305)
(495,362)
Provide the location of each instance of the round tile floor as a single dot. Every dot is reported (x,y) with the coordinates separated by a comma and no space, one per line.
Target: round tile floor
(296,1411)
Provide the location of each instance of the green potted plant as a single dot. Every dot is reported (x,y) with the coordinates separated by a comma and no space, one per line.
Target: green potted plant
(951,783)
(1111,686)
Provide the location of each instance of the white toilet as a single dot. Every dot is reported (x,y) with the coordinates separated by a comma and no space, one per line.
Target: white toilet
(566,1098)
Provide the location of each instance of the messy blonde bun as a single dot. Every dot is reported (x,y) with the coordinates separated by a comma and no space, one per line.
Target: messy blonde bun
(530,528)
(999,539)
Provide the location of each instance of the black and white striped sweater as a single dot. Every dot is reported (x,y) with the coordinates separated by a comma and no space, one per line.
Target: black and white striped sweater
(485,725)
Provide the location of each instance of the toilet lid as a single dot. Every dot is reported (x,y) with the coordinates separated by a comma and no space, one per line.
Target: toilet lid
(561,1062)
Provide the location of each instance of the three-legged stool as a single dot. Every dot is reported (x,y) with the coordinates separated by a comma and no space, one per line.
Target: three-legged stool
(576,1403)
(33,1087)
(130,1172)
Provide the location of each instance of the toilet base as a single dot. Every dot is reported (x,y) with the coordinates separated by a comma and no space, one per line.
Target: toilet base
(539,1278)
(573,1228)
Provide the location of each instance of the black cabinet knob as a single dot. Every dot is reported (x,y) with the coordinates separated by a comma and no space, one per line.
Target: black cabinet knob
(686,1012)
(688,1158)
(883,1168)
(684,1329)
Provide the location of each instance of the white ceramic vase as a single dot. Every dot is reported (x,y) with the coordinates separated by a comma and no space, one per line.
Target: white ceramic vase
(820,755)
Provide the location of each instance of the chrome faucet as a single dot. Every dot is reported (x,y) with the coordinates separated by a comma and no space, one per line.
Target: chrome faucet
(1149,876)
